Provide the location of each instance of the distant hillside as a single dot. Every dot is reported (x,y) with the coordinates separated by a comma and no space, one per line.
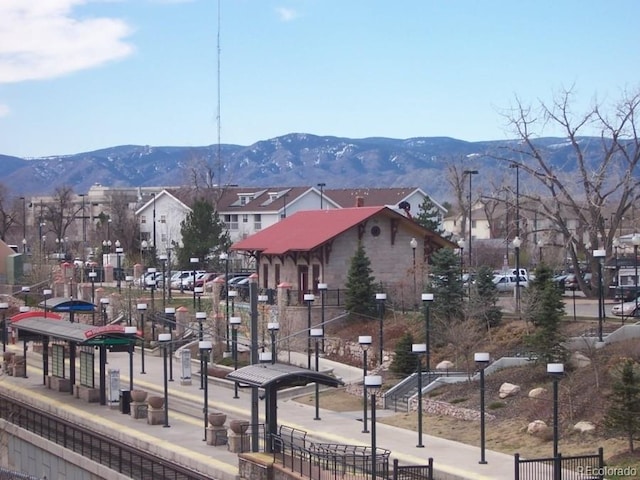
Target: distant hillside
(294,159)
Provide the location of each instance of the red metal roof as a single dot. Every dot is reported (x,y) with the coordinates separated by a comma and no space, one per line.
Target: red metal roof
(306,230)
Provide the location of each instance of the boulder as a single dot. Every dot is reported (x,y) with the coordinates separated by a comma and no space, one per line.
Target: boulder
(579,360)
(508,390)
(537,392)
(445,365)
(536,427)
(584,427)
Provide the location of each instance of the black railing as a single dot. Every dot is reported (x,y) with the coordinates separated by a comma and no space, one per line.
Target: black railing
(125,459)
(6,474)
(325,461)
(413,472)
(579,467)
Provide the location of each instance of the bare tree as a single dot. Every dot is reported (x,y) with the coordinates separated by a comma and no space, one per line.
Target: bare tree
(62,211)
(8,212)
(599,178)
(124,224)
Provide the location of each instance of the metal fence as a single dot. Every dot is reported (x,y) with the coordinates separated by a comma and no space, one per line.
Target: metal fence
(6,474)
(326,461)
(413,472)
(128,460)
(579,467)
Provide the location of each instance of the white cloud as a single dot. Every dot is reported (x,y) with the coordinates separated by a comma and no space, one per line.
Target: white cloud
(286,14)
(42,39)
(4,110)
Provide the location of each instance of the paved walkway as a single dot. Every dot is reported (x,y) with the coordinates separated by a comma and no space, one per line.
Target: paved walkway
(185,437)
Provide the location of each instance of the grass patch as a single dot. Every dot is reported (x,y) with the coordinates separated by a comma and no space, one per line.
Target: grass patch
(496,405)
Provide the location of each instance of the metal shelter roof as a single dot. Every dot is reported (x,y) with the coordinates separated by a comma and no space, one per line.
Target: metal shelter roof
(64,304)
(73,332)
(279,375)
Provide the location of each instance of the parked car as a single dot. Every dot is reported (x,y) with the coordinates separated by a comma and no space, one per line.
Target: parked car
(626,309)
(205,278)
(148,279)
(626,293)
(507,283)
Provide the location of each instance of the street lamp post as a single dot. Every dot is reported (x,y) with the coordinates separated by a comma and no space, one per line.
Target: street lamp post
(616,245)
(427,298)
(273,328)
(556,370)
(104,302)
(163,258)
(380,299)
(322,185)
(418,349)
(231,295)
(119,251)
(323,292)
(414,244)
(373,384)
(25,291)
(235,323)
(4,306)
(636,242)
(200,318)
(224,256)
(92,278)
(482,360)
(130,332)
(309,298)
(470,173)
(540,245)
(152,287)
(198,292)
(194,262)
(262,301)
(46,293)
(165,341)
(170,314)
(142,307)
(24,224)
(461,245)
(599,255)
(129,279)
(365,343)
(205,349)
(317,334)
(516,245)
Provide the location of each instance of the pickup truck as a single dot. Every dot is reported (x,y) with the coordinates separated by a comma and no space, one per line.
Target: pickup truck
(507,283)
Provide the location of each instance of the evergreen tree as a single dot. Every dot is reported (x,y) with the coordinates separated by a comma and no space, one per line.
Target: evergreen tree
(360,292)
(623,414)
(430,217)
(202,233)
(484,299)
(545,310)
(404,362)
(446,285)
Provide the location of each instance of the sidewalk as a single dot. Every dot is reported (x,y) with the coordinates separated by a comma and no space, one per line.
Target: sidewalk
(452,460)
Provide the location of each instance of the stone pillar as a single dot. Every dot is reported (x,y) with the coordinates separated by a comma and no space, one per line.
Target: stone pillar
(108,273)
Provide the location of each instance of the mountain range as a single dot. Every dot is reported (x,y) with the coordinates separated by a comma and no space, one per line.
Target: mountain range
(289,160)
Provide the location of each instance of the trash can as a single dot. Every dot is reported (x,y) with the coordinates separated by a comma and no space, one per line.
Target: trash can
(125,401)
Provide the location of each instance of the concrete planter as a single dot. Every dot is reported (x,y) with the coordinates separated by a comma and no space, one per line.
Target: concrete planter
(139,396)
(156,403)
(217,419)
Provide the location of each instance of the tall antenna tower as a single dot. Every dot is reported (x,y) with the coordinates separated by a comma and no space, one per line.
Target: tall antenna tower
(218,116)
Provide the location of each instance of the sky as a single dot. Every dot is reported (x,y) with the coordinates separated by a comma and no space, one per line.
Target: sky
(80,75)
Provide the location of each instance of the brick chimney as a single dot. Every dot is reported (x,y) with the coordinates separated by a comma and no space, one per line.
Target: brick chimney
(359,202)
